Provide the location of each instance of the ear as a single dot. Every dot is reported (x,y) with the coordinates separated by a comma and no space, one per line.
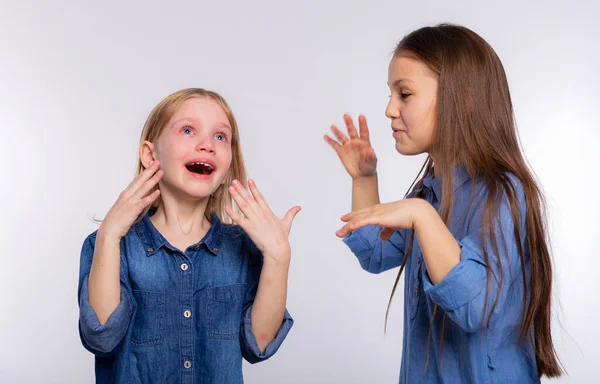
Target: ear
(147,155)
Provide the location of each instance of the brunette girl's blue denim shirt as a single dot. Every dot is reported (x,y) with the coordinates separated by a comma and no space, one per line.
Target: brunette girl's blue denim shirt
(472,351)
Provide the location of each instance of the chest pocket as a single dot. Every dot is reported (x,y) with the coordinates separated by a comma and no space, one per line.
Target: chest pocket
(148,319)
(224,311)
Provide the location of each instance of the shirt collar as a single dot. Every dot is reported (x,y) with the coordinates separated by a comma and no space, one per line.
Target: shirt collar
(153,240)
(460,175)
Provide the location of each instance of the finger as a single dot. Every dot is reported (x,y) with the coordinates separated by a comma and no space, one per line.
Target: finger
(151,198)
(290,215)
(386,233)
(258,196)
(332,143)
(370,155)
(236,217)
(349,216)
(142,178)
(351,127)
(148,185)
(241,202)
(243,192)
(342,138)
(364,128)
(343,232)
(352,226)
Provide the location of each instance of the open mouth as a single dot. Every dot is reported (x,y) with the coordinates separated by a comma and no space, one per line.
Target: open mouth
(200,168)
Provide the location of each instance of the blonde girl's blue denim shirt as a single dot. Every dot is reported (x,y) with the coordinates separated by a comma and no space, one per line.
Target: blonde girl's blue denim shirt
(184,317)
(472,352)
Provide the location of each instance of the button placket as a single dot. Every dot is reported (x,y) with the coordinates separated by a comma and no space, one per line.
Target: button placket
(186,333)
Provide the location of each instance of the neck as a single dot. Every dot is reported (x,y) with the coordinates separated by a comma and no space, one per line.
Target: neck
(181,216)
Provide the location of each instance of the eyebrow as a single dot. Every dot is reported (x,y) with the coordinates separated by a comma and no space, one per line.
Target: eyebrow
(224,126)
(399,81)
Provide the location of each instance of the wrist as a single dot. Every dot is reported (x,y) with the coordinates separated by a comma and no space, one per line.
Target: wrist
(105,235)
(365,179)
(279,258)
(424,213)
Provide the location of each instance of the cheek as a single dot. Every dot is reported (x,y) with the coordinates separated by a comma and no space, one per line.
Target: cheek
(227,155)
(420,119)
(172,151)
(412,117)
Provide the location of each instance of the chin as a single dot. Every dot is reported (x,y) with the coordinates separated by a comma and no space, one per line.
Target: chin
(403,150)
(198,192)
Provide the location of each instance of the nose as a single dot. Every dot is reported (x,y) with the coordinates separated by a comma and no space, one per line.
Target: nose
(392,111)
(205,144)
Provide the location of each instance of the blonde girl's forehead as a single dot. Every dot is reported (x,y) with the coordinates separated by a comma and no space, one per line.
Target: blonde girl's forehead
(200,105)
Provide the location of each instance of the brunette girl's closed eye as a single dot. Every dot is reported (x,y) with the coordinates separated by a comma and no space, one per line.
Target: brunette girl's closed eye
(403,95)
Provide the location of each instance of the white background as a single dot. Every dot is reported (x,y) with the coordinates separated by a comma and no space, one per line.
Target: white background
(77,82)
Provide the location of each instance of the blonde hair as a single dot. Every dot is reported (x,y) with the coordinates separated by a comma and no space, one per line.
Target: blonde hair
(156,124)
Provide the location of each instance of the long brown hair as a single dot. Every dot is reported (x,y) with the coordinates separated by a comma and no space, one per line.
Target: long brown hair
(155,125)
(474,107)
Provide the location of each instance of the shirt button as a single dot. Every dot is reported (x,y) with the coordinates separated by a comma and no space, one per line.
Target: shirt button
(215,249)
(187,314)
(416,291)
(184,267)
(150,249)
(197,247)
(187,364)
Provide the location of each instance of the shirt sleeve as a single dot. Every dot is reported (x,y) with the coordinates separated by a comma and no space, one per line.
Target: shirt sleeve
(463,293)
(375,255)
(101,339)
(249,346)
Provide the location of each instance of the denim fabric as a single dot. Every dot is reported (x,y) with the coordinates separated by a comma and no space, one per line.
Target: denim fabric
(184,317)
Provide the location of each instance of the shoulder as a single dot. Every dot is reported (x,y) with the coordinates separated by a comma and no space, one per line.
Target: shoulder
(90,241)
(504,199)
(505,188)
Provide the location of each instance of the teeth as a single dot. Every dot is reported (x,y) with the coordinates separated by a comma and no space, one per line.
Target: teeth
(201,163)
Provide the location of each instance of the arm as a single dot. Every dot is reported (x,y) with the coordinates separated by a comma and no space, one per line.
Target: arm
(266,322)
(269,304)
(104,284)
(104,289)
(359,160)
(441,251)
(463,291)
(376,255)
(455,276)
(365,192)
(105,309)
(102,338)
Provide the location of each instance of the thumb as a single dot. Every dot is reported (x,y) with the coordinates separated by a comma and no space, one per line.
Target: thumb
(370,156)
(290,215)
(386,233)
